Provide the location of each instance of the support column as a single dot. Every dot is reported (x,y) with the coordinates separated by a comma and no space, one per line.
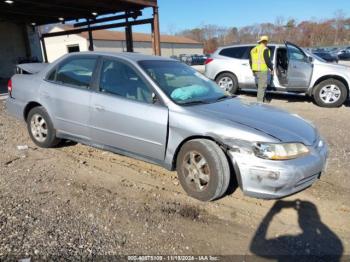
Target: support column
(91,39)
(25,29)
(42,39)
(129,40)
(156,32)
(128,35)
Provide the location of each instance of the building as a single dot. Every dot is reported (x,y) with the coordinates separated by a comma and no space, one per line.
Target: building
(20,40)
(115,41)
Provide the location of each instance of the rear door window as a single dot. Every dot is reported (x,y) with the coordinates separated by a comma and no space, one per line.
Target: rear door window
(239,52)
(76,71)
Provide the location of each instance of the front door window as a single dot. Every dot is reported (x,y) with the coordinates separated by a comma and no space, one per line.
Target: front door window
(120,79)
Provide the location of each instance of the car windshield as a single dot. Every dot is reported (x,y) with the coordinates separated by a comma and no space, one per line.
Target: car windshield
(181,83)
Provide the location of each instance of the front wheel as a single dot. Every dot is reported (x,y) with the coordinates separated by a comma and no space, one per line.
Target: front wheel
(41,129)
(330,93)
(203,169)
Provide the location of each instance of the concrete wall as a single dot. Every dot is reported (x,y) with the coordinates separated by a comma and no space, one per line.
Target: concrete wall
(57,46)
(168,49)
(12,46)
(109,46)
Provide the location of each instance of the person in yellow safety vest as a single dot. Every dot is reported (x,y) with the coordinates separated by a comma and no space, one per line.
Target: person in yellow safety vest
(260,63)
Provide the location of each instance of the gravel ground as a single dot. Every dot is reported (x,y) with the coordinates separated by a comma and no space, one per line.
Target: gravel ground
(77,202)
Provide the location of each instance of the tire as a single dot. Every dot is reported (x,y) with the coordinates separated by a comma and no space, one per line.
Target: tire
(230,80)
(208,162)
(337,90)
(41,129)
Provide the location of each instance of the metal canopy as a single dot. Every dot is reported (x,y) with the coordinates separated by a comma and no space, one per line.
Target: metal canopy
(43,12)
(53,11)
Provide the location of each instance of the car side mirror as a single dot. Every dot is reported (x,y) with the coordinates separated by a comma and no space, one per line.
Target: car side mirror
(310,59)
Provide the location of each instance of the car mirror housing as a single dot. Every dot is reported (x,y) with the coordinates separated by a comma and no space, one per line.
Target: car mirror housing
(154,98)
(310,59)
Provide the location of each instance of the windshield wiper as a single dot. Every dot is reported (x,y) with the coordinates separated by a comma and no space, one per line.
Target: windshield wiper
(223,98)
(196,102)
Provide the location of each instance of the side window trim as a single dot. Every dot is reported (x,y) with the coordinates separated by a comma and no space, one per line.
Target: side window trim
(47,77)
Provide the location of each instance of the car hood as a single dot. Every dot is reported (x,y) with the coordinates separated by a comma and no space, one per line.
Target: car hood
(336,67)
(272,121)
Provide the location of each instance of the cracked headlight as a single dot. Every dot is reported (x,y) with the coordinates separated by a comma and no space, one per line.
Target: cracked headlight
(280,151)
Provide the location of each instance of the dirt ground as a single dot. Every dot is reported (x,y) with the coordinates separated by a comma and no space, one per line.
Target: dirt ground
(75,202)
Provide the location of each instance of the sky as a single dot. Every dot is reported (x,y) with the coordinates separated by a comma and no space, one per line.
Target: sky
(177,15)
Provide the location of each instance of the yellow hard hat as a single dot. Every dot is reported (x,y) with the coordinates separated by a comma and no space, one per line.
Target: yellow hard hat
(263,38)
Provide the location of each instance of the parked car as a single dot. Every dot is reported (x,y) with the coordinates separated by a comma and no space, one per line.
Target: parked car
(198,59)
(192,59)
(295,70)
(344,54)
(333,49)
(183,58)
(319,50)
(164,112)
(327,56)
(175,57)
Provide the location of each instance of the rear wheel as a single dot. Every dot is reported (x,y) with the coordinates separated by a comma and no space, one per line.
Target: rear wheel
(203,170)
(330,93)
(41,129)
(228,82)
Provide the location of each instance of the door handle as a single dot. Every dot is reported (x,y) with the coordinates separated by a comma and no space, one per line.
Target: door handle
(245,64)
(99,108)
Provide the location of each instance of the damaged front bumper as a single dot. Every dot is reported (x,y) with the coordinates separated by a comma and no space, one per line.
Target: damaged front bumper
(272,179)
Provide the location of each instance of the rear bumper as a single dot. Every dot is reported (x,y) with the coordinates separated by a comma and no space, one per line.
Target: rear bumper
(210,72)
(269,179)
(15,108)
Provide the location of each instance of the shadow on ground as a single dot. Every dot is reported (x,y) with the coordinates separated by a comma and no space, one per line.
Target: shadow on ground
(316,242)
(290,98)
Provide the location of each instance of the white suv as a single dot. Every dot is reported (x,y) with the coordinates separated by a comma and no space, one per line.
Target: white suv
(295,71)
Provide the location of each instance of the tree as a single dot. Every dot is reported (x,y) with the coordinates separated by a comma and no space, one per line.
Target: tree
(329,32)
(339,17)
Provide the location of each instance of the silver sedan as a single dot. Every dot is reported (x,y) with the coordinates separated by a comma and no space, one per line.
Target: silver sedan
(164,112)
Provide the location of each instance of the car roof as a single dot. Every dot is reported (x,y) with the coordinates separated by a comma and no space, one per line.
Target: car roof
(239,45)
(135,57)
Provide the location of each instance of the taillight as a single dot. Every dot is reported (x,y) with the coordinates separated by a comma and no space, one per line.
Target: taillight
(208,61)
(9,87)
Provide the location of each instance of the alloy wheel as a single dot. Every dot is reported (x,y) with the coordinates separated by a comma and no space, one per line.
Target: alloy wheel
(226,84)
(39,128)
(330,94)
(196,170)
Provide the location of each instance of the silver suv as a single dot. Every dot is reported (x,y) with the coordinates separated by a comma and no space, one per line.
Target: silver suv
(295,70)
